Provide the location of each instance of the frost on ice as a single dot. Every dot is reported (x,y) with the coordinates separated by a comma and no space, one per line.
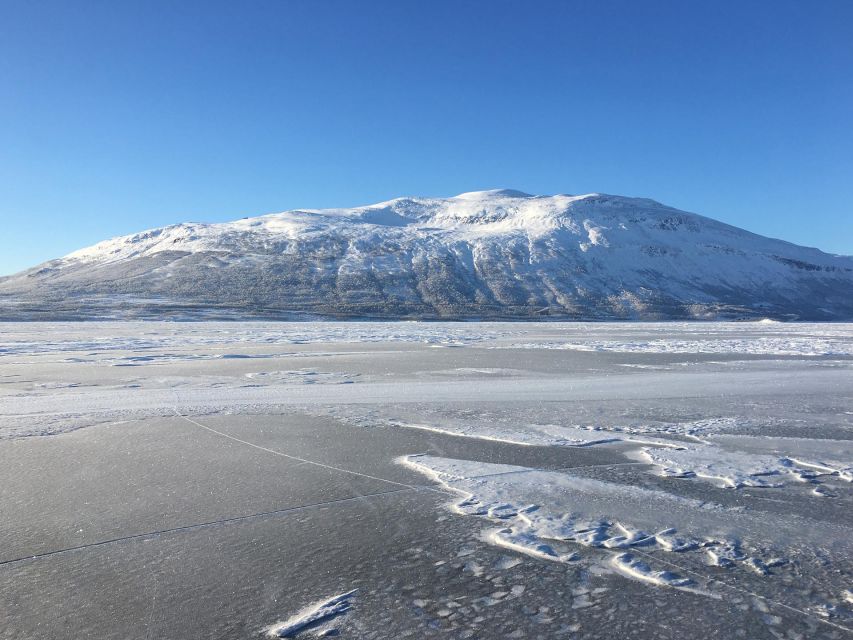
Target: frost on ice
(313,616)
(754,461)
(551,515)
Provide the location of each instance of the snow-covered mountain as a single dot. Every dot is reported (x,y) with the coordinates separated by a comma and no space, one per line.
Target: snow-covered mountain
(485,254)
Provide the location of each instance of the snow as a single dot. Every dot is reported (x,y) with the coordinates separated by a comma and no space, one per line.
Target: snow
(456,214)
(731,468)
(533,434)
(98,338)
(287,364)
(498,253)
(304,376)
(638,569)
(748,461)
(780,346)
(552,515)
(550,435)
(312,616)
(492,193)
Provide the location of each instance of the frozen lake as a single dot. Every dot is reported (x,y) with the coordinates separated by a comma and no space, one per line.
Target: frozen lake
(391,480)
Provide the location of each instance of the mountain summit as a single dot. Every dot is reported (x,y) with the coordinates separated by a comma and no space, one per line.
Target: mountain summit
(483,254)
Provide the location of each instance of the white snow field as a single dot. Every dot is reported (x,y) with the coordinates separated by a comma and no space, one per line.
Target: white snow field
(469,480)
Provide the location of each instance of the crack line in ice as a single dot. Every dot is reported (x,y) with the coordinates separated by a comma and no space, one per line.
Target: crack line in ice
(291,457)
(211,523)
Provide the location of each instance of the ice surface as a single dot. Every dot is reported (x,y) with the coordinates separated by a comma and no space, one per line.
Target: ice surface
(541,447)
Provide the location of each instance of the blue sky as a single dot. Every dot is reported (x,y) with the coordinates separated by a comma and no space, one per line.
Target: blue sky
(120,116)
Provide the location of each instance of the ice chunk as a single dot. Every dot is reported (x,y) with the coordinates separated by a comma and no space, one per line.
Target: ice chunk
(313,615)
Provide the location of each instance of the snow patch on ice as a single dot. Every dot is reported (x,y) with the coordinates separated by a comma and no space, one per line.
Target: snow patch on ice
(760,345)
(729,468)
(543,435)
(656,434)
(312,616)
(478,371)
(138,336)
(631,566)
(737,461)
(302,376)
(549,514)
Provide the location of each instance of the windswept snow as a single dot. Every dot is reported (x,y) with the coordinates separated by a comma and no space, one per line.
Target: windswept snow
(99,338)
(639,569)
(779,346)
(730,468)
(754,461)
(312,616)
(540,434)
(549,515)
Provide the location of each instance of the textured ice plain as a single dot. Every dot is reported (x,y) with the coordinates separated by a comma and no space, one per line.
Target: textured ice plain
(478,255)
(158,346)
(767,559)
(778,346)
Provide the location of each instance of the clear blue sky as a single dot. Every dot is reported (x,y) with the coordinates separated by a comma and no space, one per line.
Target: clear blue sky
(120,116)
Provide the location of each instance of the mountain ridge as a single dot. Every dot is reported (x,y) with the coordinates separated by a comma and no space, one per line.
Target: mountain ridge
(484,254)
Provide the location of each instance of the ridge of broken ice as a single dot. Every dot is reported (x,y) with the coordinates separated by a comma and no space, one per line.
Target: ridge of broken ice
(550,515)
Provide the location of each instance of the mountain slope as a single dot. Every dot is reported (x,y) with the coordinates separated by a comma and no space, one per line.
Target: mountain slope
(488,254)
